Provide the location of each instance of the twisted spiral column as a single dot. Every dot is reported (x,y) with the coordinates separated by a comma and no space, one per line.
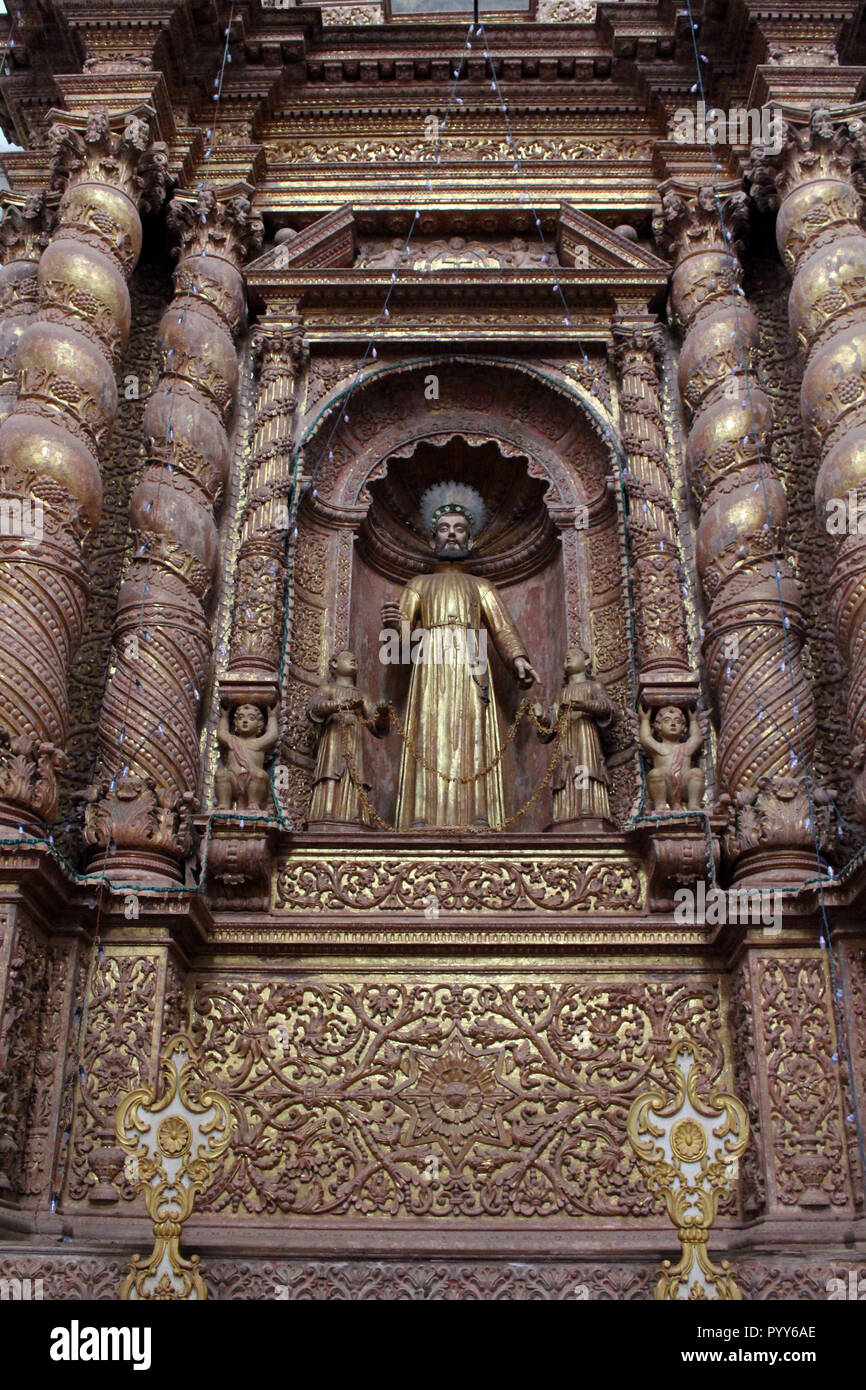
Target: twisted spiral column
(813,181)
(25,230)
(148,771)
(51,440)
(754,627)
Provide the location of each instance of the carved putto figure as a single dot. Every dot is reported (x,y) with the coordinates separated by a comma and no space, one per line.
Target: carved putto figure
(450,772)
(580,782)
(241,783)
(340,773)
(673,783)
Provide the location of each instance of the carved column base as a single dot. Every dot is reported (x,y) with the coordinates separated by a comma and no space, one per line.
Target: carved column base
(657,688)
(250,688)
(783,866)
(28,784)
(586,825)
(146,867)
(16,818)
(773,829)
(145,831)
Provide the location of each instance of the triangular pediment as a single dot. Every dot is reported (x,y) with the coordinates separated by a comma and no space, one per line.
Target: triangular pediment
(326,244)
(585,244)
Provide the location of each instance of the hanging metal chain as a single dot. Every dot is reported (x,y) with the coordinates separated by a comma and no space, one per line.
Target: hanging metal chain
(523,709)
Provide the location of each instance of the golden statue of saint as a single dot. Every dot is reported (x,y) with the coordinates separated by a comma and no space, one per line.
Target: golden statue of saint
(451,720)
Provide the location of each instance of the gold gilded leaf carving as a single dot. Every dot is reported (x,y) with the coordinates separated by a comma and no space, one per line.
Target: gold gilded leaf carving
(459,884)
(493,1097)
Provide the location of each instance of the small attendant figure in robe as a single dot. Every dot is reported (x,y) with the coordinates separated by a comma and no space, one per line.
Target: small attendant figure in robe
(333,710)
(242,782)
(580,782)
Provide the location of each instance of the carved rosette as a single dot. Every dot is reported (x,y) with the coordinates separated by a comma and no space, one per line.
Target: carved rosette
(662,641)
(754,629)
(814,182)
(173,1135)
(148,762)
(257,619)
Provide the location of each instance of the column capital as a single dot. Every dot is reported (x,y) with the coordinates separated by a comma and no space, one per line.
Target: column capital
(110,148)
(218,222)
(637,340)
(699,218)
(279,348)
(26,223)
(823,145)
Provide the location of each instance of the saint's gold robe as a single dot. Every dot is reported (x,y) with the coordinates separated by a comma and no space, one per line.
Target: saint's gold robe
(451,716)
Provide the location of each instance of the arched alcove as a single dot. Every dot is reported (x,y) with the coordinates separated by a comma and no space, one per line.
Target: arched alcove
(552,548)
(519,550)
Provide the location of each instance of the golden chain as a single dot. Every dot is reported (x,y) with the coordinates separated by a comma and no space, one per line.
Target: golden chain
(371,811)
(524,708)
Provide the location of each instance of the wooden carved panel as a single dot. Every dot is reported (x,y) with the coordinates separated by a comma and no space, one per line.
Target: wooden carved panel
(497,1097)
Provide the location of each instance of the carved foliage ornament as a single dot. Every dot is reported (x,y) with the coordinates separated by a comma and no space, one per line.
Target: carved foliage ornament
(216,224)
(174,1137)
(26,225)
(360,884)
(694,1165)
(117,150)
(498,1097)
(818,149)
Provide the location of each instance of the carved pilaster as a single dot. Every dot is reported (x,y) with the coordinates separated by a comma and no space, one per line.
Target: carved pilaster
(257,618)
(799,1098)
(148,762)
(754,628)
(51,441)
(814,182)
(662,641)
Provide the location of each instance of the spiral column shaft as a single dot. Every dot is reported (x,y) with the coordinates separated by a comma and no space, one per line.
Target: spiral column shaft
(662,640)
(754,627)
(814,182)
(148,761)
(51,440)
(257,617)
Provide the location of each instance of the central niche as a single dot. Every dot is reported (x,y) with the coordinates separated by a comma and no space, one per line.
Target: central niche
(519,551)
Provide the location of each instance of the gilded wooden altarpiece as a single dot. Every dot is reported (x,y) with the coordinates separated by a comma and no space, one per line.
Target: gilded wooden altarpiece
(248,335)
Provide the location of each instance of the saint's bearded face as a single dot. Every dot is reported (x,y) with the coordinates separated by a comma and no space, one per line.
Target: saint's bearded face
(451,540)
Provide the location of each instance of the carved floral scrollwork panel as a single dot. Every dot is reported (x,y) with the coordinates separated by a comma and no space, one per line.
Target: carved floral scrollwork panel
(119,1039)
(361,882)
(495,1098)
(806,1137)
(410,1280)
(28,969)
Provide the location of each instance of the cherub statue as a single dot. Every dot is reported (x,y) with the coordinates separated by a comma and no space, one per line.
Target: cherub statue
(241,781)
(340,759)
(580,782)
(672,778)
